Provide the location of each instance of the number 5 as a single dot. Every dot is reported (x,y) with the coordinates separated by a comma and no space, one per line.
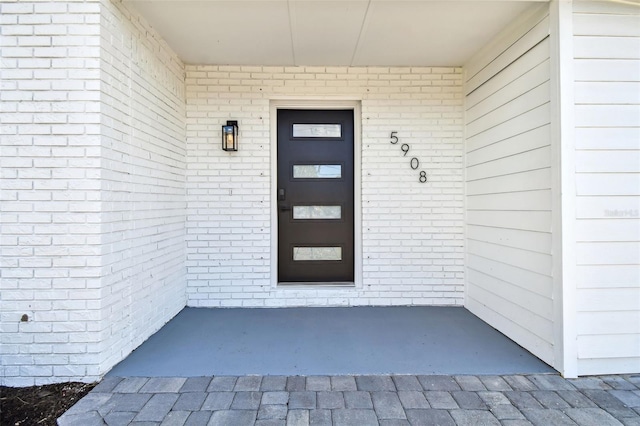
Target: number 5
(394,138)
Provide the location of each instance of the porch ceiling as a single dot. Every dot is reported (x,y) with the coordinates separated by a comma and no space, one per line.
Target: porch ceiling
(327,32)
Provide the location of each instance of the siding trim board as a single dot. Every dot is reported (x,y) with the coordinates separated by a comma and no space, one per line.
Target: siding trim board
(563,188)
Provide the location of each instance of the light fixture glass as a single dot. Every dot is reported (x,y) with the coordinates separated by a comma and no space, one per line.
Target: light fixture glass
(230,136)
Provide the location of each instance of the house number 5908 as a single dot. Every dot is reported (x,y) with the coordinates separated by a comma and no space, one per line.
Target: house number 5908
(414,163)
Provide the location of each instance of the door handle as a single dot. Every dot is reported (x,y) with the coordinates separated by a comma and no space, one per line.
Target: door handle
(281,197)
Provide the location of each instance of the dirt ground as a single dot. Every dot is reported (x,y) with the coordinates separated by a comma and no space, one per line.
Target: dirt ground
(39,405)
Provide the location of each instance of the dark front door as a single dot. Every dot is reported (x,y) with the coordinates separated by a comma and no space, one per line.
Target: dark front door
(315,196)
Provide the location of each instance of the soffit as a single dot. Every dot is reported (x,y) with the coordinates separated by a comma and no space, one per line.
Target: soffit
(325,32)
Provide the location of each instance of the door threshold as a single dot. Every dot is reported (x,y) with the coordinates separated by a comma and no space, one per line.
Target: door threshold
(316,285)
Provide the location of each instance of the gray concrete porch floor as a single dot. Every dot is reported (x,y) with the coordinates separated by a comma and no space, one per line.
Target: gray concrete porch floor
(327,341)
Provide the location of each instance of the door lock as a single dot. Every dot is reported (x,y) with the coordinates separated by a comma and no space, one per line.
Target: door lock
(281,197)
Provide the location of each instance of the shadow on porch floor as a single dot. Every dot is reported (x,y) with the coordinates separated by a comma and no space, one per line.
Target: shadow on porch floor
(327,341)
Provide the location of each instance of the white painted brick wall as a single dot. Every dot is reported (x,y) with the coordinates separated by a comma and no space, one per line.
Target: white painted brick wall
(412,232)
(50,193)
(93,188)
(143,128)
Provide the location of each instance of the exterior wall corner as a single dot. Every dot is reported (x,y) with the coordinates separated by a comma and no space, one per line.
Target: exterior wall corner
(565,357)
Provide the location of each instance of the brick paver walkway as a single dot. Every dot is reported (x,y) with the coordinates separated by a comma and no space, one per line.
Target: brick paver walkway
(361,400)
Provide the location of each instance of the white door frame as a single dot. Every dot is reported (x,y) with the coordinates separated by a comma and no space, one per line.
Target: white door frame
(354,105)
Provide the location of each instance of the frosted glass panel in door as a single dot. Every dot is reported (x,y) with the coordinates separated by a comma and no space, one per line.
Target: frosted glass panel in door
(317,171)
(317,131)
(317,253)
(317,212)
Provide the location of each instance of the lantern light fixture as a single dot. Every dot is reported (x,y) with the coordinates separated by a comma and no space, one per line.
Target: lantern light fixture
(230,136)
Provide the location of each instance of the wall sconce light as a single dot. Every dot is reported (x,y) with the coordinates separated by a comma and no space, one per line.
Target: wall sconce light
(230,136)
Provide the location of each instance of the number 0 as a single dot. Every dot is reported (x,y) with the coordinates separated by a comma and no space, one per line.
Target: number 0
(415,163)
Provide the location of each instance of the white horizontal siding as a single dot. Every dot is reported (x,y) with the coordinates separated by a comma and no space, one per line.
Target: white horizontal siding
(607,276)
(608,161)
(607,253)
(478,74)
(606,47)
(622,322)
(608,184)
(525,181)
(488,292)
(609,230)
(523,259)
(616,137)
(606,207)
(623,70)
(532,281)
(510,325)
(517,238)
(517,201)
(607,116)
(605,21)
(524,142)
(522,162)
(594,366)
(508,186)
(529,120)
(595,300)
(524,220)
(598,92)
(608,346)
(521,71)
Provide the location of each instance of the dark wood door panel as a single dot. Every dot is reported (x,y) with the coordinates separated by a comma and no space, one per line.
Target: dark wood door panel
(309,150)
